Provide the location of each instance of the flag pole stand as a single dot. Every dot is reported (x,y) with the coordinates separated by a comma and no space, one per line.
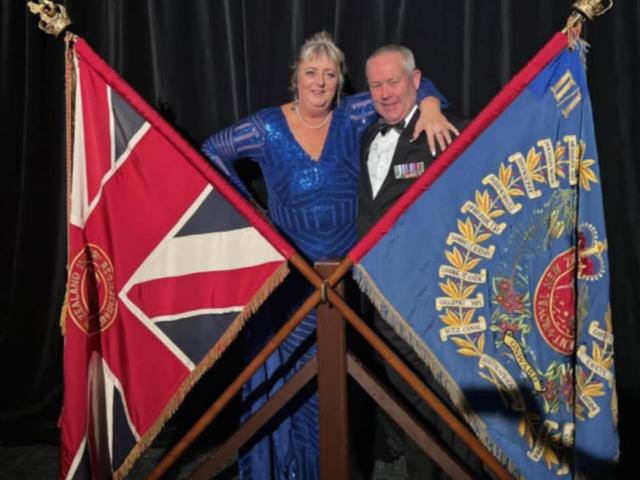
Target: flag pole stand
(330,367)
(332,364)
(332,383)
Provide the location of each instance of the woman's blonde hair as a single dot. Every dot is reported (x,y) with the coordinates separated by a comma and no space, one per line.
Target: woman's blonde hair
(318,45)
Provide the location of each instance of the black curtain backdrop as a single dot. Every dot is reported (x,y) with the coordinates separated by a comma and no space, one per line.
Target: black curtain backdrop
(205,64)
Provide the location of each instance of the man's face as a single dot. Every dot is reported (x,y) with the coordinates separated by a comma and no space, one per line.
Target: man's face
(393,89)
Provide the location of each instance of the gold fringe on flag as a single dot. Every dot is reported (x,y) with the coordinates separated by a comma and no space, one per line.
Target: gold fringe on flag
(70,92)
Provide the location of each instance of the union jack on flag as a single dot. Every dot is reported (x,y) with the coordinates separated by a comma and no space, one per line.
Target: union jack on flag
(166,263)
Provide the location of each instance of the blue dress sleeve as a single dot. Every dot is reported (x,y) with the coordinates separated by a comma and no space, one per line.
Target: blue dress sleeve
(428,89)
(245,139)
(360,111)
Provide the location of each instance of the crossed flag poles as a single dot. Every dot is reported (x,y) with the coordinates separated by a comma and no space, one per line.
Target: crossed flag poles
(326,295)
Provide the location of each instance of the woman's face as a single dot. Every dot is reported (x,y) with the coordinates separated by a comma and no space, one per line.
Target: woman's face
(317,82)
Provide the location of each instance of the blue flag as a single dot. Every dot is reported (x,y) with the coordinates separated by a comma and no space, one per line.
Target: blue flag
(494,269)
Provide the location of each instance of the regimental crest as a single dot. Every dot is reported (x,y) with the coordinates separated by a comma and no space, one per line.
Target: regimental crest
(92,301)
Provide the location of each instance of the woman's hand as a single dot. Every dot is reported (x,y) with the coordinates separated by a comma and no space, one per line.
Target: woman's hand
(436,126)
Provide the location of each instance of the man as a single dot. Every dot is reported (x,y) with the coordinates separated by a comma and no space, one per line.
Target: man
(390,162)
(390,158)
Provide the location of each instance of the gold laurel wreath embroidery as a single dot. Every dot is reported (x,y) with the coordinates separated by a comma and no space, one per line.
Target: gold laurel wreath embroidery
(528,426)
(586,383)
(471,229)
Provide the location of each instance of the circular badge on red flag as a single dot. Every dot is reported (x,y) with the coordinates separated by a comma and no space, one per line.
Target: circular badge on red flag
(91,292)
(554,303)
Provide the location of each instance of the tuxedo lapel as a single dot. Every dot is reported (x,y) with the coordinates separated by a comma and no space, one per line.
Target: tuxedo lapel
(369,135)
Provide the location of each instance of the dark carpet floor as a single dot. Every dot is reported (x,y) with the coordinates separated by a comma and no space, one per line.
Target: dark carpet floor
(40,462)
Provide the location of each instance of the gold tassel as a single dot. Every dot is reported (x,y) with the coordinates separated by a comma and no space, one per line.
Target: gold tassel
(69,91)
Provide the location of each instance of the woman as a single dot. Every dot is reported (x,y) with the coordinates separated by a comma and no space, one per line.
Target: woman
(308,152)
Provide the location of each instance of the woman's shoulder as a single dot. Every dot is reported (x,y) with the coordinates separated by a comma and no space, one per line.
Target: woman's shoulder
(268,113)
(356,107)
(253,125)
(354,112)
(355,101)
(270,116)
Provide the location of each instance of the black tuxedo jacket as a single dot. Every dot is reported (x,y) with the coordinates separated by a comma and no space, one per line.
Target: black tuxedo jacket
(370,210)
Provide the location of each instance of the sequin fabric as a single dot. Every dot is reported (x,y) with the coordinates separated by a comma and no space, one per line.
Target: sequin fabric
(312,202)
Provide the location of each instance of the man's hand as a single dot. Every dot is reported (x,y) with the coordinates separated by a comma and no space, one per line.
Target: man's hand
(438,129)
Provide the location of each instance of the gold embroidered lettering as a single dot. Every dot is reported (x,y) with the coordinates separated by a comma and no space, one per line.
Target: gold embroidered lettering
(600,334)
(483,218)
(507,384)
(594,366)
(567,93)
(525,174)
(572,143)
(448,302)
(479,326)
(524,365)
(502,192)
(447,270)
(472,247)
(550,157)
(592,407)
(538,448)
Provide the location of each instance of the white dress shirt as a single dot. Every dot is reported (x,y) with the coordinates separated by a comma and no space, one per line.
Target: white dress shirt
(381,153)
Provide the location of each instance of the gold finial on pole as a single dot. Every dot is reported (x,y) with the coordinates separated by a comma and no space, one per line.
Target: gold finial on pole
(587,9)
(592,8)
(53,16)
(584,10)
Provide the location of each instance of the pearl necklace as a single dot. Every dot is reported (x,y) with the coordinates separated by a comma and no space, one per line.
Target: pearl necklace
(308,125)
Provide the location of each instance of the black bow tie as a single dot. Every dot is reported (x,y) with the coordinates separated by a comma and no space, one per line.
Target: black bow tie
(383,127)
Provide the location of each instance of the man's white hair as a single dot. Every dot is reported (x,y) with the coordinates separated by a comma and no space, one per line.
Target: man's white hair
(408,60)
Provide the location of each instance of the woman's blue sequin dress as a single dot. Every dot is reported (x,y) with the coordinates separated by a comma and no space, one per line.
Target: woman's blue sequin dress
(314,204)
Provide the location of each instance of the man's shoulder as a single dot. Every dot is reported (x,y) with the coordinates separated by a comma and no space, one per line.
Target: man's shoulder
(373,126)
(370,131)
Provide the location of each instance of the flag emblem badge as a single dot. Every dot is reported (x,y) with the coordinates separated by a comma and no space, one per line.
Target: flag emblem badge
(91,280)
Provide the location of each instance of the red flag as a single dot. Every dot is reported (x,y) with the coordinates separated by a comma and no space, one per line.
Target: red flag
(166,262)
